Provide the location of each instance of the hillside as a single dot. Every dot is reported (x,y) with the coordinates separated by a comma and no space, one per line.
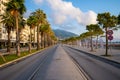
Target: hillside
(61,34)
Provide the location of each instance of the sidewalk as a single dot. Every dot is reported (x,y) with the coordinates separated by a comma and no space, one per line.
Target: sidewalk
(115,54)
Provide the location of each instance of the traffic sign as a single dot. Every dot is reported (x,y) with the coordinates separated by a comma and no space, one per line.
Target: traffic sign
(110,37)
(110,32)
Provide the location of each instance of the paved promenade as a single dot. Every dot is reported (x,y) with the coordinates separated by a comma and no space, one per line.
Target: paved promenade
(115,53)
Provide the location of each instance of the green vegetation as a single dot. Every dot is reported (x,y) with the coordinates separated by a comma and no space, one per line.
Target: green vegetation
(105,21)
(11,57)
(61,34)
(16,9)
(93,29)
(13,19)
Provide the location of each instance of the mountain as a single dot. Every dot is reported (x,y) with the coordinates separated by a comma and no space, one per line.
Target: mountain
(62,34)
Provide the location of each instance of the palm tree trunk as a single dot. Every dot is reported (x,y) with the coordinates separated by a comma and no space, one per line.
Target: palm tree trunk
(42,42)
(9,42)
(38,38)
(30,41)
(34,37)
(45,40)
(17,38)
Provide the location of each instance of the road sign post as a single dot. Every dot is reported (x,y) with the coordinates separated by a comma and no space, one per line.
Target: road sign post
(110,37)
(110,32)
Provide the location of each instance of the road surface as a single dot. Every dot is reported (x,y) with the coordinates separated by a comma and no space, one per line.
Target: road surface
(60,63)
(50,64)
(95,68)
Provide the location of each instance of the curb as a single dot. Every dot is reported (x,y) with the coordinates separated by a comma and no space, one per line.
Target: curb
(21,58)
(111,62)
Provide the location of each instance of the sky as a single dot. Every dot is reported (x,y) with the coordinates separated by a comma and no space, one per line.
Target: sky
(73,15)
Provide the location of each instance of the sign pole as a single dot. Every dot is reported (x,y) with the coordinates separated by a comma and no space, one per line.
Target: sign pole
(110,37)
(110,47)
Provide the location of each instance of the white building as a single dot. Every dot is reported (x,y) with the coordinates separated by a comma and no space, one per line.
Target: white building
(25,34)
(3,32)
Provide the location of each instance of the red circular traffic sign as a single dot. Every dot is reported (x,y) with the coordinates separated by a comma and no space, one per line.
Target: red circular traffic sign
(110,32)
(110,37)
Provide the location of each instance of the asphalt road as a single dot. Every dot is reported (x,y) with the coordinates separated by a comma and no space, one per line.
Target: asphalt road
(94,68)
(50,64)
(59,63)
(25,68)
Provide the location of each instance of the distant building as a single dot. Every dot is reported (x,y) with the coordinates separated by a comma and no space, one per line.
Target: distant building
(24,35)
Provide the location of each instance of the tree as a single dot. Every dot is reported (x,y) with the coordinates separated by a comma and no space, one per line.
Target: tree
(49,33)
(16,8)
(91,28)
(41,17)
(31,21)
(8,21)
(118,18)
(98,31)
(105,20)
(83,38)
(44,29)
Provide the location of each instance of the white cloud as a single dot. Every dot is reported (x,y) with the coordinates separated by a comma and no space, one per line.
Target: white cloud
(65,11)
(68,17)
(59,19)
(38,1)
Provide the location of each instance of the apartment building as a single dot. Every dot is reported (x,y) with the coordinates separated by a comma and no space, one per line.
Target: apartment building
(3,32)
(24,35)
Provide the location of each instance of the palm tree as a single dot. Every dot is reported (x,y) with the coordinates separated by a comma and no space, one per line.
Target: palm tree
(53,37)
(16,8)
(106,21)
(44,29)
(42,35)
(31,21)
(41,17)
(48,33)
(8,21)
